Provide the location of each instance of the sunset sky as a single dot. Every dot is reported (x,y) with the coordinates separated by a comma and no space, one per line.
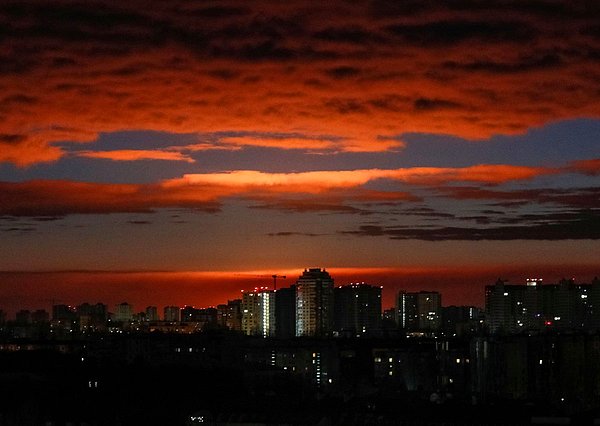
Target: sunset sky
(176,152)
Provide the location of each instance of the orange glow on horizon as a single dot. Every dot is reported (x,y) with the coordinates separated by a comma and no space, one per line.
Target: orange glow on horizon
(459,284)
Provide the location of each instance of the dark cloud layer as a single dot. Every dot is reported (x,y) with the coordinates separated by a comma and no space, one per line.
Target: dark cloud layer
(582,225)
(70,69)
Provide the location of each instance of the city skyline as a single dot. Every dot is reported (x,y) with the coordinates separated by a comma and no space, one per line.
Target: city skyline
(254,284)
(179,152)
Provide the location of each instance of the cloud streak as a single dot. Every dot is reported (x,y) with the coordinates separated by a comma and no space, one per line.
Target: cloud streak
(136,155)
(302,191)
(582,225)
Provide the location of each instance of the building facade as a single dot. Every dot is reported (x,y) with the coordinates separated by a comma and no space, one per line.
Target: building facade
(172,313)
(314,303)
(151,313)
(419,312)
(357,309)
(123,312)
(285,312)
(511,308)
(258,313)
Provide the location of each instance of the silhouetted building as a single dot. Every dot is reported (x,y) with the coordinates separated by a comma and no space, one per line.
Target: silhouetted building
(229,315)
(190,314)
(172,314)
(23,317)
(389,315)
(537,306)
(151,314)
(285,312)
(222,315)
(419,312)
(201,317)
(123,312)
(460,320)
(92,317)
(234,315)
(560,369)
(314,303)
(63,313)
(357,308)
(40,316)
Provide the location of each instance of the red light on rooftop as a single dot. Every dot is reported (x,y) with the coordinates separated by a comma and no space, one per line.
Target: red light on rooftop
(547,323)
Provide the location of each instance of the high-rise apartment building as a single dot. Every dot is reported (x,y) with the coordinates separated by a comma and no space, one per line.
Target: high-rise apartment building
(258,313)
(511,308)
(123,312)
(419,312)
(234,314)
(63,312)
(151,314)
(461,320)
(172,314)
(357,308)
(285,312)
(314,303)
(92,317)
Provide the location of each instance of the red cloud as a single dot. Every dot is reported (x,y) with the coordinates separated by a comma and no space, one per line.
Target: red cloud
(375,70)
(136,154)
(328,189)
(587,167)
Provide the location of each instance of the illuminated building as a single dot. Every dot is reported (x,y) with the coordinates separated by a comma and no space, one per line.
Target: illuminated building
(357,308)
(314,303)
(258,312)
(250,313)
(419,312)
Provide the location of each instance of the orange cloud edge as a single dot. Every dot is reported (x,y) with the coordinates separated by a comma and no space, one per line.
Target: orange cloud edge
(206,191)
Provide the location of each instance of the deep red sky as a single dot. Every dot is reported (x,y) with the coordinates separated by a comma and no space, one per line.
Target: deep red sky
(458,286)
(240,136)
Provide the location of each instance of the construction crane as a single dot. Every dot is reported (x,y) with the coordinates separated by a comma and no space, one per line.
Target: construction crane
(275,276)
